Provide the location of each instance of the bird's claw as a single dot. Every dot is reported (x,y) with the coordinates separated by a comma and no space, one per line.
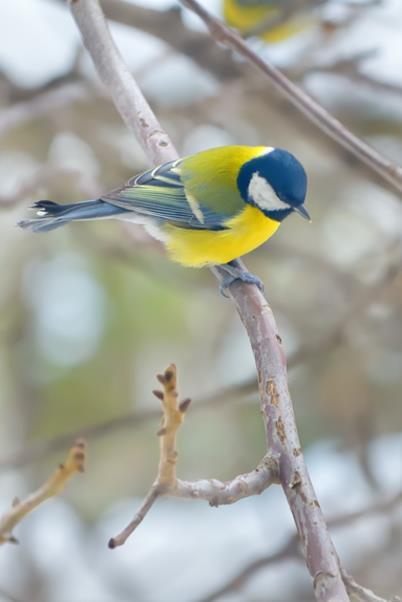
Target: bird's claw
(245,277)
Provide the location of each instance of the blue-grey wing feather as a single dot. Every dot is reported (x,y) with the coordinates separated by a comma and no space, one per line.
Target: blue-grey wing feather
(160,194)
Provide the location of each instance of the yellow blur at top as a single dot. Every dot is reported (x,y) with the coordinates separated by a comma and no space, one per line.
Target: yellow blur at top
(247,16)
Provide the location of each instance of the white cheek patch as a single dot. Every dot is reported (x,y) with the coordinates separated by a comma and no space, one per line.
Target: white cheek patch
(263,195)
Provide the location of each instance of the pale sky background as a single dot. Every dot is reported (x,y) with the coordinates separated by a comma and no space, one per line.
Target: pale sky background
(42,32)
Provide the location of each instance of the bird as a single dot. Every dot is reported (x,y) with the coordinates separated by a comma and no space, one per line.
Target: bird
(209,208)
(259,16)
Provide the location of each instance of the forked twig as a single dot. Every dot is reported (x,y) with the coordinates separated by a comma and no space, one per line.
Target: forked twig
(214,491)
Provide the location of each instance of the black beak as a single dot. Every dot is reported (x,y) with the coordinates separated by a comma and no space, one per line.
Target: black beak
(301,210)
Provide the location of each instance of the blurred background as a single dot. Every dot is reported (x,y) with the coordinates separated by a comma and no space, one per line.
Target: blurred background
(90,313)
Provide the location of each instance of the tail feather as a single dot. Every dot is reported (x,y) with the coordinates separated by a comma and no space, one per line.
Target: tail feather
(50,215)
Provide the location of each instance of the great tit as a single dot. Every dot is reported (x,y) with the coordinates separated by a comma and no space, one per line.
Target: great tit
(250,16)
(208,208)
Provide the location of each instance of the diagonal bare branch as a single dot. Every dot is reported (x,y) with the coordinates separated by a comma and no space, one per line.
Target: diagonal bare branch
(303,102)
(118,80)
(358,593)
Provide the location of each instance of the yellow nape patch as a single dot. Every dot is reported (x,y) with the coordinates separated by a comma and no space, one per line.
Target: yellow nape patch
(196,248)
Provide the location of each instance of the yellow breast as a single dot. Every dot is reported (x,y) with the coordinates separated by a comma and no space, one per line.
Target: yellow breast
(197,248)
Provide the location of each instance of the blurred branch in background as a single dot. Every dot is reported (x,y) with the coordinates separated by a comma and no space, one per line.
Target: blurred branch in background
(42,103)
(350,67)
(44,177)
(15,93)
(8,597)
(389,171)
(290,549)
(53,486)
(308,350)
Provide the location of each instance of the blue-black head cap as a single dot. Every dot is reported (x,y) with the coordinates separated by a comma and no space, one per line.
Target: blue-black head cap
(278,171)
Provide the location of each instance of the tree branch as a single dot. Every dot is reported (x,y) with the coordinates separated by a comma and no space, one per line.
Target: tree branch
(54,485)
(114,73)
(166,483)
(282,437)
(303,102)
(221,493)
(283,440)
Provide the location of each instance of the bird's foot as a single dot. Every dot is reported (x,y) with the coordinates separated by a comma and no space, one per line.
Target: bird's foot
(235,272)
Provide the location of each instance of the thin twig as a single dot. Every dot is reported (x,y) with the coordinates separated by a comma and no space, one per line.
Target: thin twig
(214,491)
(166,477)
(384,167)
(173,415)
(219,493)
(53,486)
(145,507)
(358,593)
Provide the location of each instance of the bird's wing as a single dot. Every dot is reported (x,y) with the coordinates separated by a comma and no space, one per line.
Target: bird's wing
(160,194)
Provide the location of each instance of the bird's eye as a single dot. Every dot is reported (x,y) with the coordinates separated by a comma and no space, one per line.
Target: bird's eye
(263,195)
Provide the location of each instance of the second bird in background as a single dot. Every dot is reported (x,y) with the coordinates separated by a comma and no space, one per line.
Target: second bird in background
(263,18)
